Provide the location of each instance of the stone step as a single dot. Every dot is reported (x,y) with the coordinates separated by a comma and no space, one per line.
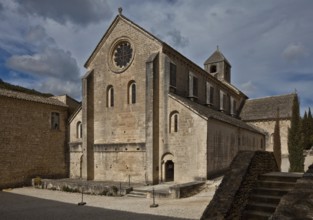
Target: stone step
(269,191)
(261,207)
(276,184)
(255,215)
(137,194)
(281,176)
(265,199)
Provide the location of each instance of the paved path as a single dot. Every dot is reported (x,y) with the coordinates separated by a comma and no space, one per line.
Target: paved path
(30,203)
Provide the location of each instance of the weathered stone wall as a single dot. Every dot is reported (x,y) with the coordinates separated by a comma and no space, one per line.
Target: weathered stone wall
(298,203)
(224,142)
(188,145)
(268,126)
(70,102)
(75,145)
(232,194)
(120,162)
(28,145)
(123,123)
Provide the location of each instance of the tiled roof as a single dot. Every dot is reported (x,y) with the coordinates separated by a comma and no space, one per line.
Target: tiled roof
(266,108)
(211,113)
(29,97)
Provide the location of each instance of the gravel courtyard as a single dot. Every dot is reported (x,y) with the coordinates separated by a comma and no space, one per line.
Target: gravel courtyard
(31,203)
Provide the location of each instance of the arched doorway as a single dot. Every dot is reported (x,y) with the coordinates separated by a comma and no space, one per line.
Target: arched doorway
(169,171)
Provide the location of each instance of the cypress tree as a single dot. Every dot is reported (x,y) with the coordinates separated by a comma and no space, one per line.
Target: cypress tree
(277,143)
(295,145)
(306,135)
(310,125)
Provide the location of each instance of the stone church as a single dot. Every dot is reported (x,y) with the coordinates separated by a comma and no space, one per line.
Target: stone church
(150,114)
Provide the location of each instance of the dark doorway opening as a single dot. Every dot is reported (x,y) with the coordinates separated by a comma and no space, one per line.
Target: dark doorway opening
(169,171)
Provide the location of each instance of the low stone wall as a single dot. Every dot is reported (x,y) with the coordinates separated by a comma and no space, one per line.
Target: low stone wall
(232,194)
(298,203)
(88,187)
(186,190)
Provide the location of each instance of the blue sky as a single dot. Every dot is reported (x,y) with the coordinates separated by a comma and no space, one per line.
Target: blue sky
(44,44)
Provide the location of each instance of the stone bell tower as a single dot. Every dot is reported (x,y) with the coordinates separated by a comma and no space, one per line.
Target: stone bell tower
(218,66)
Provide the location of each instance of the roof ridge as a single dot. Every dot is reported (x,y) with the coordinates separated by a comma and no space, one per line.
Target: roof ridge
(273,96)
(30,97)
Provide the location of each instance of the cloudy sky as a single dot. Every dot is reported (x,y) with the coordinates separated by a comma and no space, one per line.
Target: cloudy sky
(45,43)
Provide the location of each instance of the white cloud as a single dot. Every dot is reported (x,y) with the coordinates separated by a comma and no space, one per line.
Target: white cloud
(258,38)
(248,87)
(52,62)
(79,12)
(294,52)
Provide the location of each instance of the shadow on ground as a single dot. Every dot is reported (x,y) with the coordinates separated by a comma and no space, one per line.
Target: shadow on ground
(13,206)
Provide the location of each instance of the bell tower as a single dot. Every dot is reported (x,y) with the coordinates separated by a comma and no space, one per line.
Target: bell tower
(218,66)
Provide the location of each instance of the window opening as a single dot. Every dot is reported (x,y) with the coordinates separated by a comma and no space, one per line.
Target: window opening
(172,75)
(110,96)
(55,121)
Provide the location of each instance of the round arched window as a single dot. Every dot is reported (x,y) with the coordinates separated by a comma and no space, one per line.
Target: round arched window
(123,53)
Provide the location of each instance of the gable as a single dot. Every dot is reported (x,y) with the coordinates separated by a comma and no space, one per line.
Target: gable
(119,19)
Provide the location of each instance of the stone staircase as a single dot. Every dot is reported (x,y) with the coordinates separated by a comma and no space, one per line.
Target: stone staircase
(138,193)
(267,193)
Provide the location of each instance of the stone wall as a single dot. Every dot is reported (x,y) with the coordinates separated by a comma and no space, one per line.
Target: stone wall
(29,147)
(125,122)
(268,126)
(184,68)
(119,162)
(189,153)
(75,145)
(225,141)
(232,194)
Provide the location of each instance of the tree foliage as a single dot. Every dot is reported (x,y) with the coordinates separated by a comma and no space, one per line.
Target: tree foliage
(310,128)
(295,143)
(277,142)
(307,130)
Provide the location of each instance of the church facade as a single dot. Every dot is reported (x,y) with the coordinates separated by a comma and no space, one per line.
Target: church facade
(150,114)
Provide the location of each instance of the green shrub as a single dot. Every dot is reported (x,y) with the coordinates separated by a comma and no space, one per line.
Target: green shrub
(104,192)
(110,193)
(37,181)
(69,189)
(114,189)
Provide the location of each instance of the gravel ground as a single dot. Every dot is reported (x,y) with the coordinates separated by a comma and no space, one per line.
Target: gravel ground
(187,208)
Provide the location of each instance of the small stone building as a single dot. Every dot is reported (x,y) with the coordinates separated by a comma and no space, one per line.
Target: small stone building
(150,114)
(33,135)
(262,113)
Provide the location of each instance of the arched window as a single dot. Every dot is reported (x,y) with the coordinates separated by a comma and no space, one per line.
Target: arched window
(132,92)
(79,130)
(174,122)
(110,96)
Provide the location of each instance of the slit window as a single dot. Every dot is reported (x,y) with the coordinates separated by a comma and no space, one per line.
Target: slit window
(193,85)
(55,121)
(172,75)
(209,94)
(110,96)
(132,92)
(174,122)
(79,130)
